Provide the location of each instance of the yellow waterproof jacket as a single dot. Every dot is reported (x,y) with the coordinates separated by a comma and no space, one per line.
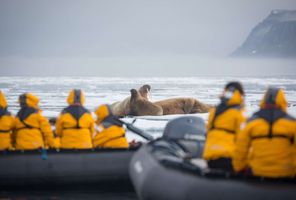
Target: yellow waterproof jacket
(109,135)
(224,123)
(75,125)
(33,130)
(267,143)
(6,125)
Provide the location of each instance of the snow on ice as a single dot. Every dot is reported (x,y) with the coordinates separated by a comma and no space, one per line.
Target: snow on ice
(53,92)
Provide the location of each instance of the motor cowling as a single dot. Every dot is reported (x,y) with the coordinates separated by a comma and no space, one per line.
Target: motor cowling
(189,132)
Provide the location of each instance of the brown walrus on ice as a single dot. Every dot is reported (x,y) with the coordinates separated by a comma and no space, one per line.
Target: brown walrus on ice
(182,106)
(122,108)
(140,106)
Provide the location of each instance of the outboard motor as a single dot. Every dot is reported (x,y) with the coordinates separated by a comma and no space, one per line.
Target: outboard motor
(189,132)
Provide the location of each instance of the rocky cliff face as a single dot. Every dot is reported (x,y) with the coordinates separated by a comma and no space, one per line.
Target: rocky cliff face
(273,37)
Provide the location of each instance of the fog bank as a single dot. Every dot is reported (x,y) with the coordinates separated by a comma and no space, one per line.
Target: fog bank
(141,66)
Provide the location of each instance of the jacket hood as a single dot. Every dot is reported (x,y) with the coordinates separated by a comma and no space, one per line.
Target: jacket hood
(3,102)
(274,98)
(102,112)
(232,97)
(76,97)
(29,100)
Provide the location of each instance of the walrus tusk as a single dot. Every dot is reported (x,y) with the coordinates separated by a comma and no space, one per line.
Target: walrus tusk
(149,95)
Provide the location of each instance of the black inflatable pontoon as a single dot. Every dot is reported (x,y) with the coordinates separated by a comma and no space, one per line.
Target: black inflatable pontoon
(69,167)
(64,167)
(158,173)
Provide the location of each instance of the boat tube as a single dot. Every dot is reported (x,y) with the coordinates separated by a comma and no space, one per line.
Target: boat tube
(69,166)
(52,167)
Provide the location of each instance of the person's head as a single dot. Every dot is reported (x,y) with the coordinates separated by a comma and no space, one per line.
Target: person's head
(233,93)
(274,98)
(76,97)
(28,100)
(235,85)
(3,102)
(187,131)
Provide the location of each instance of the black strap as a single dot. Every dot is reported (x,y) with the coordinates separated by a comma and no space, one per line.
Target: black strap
(271,115)
(5,131)
(4,111)
(107,124)
(270,122)
(76,111)
(274,136)
(24,113)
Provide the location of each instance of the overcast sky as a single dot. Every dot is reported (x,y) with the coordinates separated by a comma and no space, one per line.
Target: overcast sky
(99,37)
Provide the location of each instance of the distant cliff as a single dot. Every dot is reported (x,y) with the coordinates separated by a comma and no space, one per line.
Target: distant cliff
(275,36)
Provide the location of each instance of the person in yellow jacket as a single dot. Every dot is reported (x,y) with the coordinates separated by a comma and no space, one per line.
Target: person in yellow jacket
(266,146)
(33,130)
(111,134)
(6,124)
(75,125)
(223,125)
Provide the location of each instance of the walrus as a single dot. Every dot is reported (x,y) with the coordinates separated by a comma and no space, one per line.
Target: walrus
(182,106)
(144,91)
(140,106)
(122,108)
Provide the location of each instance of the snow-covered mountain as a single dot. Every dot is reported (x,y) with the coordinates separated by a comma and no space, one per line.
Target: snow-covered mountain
(275,36)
